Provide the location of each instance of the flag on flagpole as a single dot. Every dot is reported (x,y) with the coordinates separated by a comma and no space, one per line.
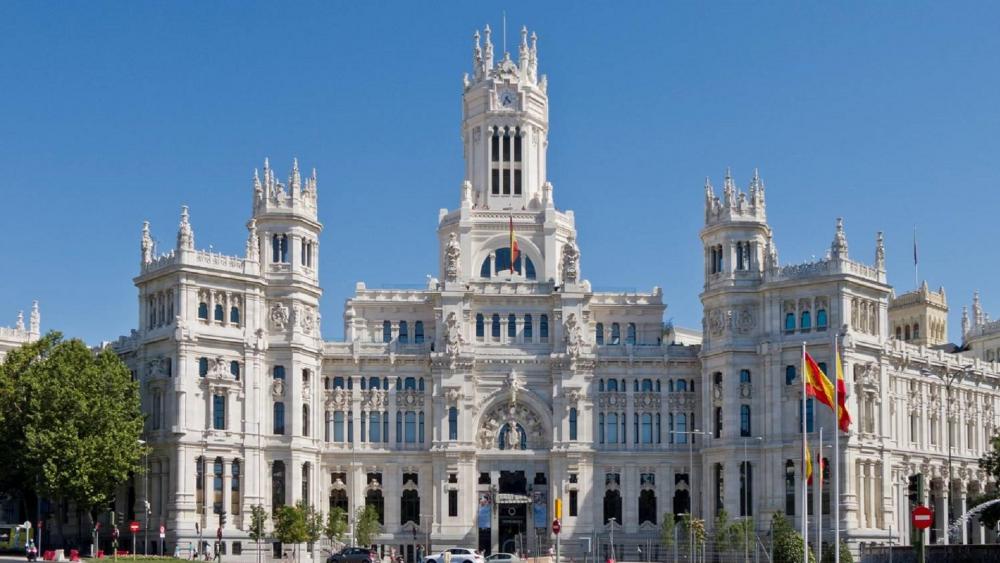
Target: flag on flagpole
(809,466)
(843,416)
(514,252)
(817,383)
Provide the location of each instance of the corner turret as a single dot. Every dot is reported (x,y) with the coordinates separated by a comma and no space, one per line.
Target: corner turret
(736,237)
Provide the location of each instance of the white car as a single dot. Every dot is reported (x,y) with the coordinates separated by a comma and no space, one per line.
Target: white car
(503,558)
(458,555)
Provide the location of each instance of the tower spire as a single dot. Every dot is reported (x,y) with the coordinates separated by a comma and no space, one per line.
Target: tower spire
(838,249)
(880,251)
(35,320)
(487,34)
(185,234)
(146,246)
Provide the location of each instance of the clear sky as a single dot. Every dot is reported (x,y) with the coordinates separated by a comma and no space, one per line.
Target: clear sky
(885,113)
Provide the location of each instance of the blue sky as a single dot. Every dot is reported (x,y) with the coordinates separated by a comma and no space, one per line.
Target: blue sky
(885,113)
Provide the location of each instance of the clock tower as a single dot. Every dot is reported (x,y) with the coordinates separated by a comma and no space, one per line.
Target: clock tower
(507,227)
(505,122)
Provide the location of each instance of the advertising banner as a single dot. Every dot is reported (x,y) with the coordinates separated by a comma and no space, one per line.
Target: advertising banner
(485,510)
(539,508)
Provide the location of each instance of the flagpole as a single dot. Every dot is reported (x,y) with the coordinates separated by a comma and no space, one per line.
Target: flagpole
(805,461)
(837,366)
(819,505)
(916,269)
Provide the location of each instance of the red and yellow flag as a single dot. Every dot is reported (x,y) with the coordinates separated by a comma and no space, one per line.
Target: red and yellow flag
(514,252)
(818,384)
(843,417)
(809,466)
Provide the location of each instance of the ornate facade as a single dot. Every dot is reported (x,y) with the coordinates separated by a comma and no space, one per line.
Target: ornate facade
(461,410)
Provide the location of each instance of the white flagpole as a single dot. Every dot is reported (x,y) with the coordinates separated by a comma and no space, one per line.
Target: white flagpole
(819,504)
(805,486)
(837,363)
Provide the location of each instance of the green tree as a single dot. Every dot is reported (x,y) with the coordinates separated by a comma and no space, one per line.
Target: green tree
(336,524)
(991,464)
(741,535)
(367,526)
(788,544)
(74,417)
(667,529)
(694,529)
(722,535)
(258,518)
(314,523)
(290,525)
(845,554)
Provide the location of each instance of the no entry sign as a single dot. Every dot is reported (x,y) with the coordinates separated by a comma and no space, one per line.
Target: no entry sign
(922,517)
(133,527)
(556,526)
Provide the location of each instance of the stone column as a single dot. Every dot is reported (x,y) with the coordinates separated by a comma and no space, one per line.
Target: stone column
(945,512)
(962,501)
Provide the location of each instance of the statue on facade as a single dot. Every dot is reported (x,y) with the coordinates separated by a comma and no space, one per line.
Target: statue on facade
(838,250)
(253,247)
(880,252)
(147,244)
(570,261)
(185,235)
(453,252)
(572,336)
(452,336)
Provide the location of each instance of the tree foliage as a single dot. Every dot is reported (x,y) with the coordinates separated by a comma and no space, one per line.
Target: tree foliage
(788,544)
(990,462)
(290,524)
(73,417)
(667,530)
(258,519)
(845,554)
(722,536)
(367,526)
(336,524)
(314,521)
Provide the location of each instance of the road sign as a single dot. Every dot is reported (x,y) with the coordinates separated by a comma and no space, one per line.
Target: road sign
(922,517)
(556,526)
(133,526)
(163,531)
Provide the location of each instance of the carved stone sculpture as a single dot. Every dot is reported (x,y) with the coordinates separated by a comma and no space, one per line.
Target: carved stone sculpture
(279,316)
(570,261)
(453,252)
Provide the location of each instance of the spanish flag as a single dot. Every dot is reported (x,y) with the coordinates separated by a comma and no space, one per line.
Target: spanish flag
(809,466)
(843,417)
(514,252)
(818,384)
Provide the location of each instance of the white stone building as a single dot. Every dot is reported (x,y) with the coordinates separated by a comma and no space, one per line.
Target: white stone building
(462,410)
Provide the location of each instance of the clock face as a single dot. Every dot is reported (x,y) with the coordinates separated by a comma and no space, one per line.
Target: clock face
(508,98)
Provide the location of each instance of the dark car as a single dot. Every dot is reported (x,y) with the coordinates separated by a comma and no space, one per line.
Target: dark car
(354,555)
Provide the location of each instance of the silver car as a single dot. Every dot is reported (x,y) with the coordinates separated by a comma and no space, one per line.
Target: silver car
(503,558)
(458,555)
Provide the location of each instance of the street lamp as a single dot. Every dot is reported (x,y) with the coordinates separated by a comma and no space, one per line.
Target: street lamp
(145,495)
(690,441)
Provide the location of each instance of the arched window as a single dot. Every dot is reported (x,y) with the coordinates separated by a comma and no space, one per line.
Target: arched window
(453,423)
(484,270)
(647,385)
(647,507)
(502,256)
(409,507)
(234,487)
(234,369)
(916,331)
(278,372)
(386,331)
(907,332)
(279,418)
(374,383)
(203,311)
(806,322)
(528,328)
(681,386)
(495,326)
(572,423)
(409,384)
(404,332)
(899,333)
(275,248)
(790,488)
(220,314)
(374,499)
(613,385)
(234,315)
(612,506)
(744,376)
(789,322)
(418,332)
(616,334)
(511,327)
(599,334)
(745,420)
(305,420)
(420,385)
(821,321)
(202,366)
(338,382)
(277,485)
(630,334)
(504,441)
(543,328)
(789,375)
(480,326)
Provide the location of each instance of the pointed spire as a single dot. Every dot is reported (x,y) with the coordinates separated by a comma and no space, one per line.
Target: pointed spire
(838,249)
(295,179)
(729,189)
(977,309)
(20,321)
(185,235)
(35,320)
(488,60)
(523,55)
(965,322)
(880,251)
(146,245)
(771,258)
(477,55)
(253,246)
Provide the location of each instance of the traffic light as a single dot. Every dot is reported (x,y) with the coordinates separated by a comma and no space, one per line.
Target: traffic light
(915,488)
(222,518)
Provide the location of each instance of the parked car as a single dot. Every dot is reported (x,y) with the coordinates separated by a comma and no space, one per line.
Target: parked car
(503,558)
(353,555)
(458,555)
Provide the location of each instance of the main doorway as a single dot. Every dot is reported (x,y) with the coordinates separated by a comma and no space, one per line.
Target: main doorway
(512,511)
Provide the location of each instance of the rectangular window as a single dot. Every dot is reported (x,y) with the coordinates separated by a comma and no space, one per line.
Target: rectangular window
(573,503)
(453,503)
(410,427)
(495,182)
(219,412)
(453,423)
(745,420)
(338,426)
(517,182)
(572,423)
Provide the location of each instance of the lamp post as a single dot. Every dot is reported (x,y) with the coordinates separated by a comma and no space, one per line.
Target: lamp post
(145,495)
(690,440)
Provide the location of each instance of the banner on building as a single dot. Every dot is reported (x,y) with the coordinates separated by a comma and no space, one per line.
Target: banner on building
(485,510)
(539,508)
